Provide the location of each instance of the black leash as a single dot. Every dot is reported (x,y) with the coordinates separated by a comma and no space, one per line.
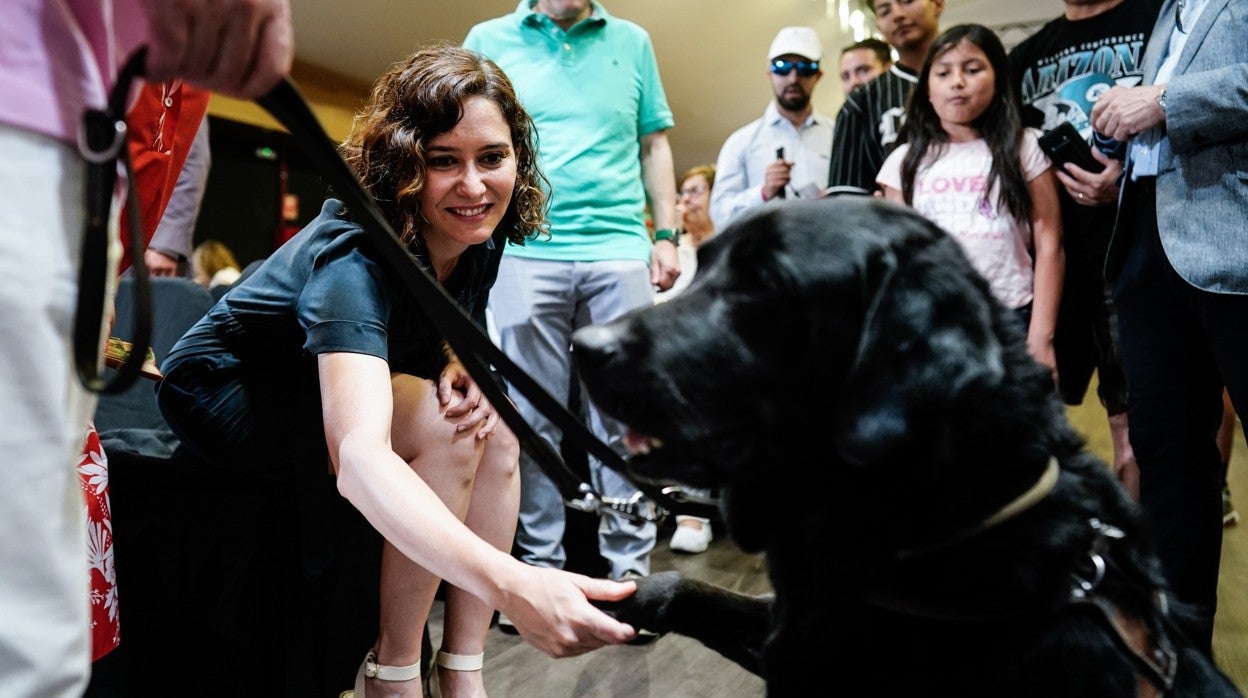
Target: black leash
(471,345)
(102,142)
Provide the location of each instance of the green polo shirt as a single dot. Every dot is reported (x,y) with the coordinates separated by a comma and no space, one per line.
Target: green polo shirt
(592,91)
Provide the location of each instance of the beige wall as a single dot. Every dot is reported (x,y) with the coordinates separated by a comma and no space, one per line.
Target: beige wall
(334,100)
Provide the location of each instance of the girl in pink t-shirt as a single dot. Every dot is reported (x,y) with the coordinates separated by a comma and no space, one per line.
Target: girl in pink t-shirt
(970,166)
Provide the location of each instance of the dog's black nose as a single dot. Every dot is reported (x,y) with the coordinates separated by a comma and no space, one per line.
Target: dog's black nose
(594,346)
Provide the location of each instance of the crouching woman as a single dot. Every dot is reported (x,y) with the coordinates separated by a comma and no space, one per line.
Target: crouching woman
(323,345)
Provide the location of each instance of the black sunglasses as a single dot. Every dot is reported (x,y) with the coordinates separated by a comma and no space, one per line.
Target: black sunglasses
(805,69)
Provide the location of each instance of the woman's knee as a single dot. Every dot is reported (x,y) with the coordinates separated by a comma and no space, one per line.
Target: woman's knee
(421,431)
(504,447)
(502,453)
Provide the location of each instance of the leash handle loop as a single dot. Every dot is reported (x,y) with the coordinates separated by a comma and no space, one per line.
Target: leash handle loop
(88,132)
(102,143)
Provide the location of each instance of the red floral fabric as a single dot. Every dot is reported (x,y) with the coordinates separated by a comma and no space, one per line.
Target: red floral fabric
(93,474)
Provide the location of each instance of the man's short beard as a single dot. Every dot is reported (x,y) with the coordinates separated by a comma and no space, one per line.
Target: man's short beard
(797,103)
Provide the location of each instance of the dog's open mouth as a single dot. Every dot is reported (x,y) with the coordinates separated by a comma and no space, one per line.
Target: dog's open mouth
(639,444)
(648,459)
(661,462)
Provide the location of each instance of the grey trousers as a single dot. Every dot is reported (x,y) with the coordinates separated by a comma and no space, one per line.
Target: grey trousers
(536,305)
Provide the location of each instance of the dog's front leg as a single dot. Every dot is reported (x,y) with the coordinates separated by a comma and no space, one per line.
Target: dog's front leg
(735,625)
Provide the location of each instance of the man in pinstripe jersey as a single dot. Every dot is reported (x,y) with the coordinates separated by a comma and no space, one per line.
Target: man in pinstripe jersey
(868,124)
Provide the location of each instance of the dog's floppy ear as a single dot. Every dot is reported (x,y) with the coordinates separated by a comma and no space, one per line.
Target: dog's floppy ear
(927,343)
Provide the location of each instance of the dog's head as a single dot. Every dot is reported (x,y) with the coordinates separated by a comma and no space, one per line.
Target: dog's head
(850,330)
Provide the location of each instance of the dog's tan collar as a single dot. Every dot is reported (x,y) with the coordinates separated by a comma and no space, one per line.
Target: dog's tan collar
(1038,491)
(1026,500)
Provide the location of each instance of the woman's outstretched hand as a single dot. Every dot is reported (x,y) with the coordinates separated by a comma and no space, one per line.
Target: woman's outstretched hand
(551,609)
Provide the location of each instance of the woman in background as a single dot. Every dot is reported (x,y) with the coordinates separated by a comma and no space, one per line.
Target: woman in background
(213,264)
(693,200)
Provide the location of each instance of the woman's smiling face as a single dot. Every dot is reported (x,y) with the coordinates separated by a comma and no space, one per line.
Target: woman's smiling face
(470,175)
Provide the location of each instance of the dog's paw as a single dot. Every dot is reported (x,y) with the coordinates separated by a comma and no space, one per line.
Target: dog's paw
(650,606)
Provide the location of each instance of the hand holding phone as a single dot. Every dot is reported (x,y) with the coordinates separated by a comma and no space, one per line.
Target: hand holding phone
(1063,144)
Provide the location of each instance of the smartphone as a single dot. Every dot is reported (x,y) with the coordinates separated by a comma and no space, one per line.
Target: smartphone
(1063,144)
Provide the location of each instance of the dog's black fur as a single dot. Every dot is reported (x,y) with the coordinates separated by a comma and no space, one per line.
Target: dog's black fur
(844,378)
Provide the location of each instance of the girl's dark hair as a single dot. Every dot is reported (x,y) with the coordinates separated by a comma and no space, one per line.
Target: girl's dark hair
(1000,125)
(422,97)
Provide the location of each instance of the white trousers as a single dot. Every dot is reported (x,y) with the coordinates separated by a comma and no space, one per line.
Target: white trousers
(44,581)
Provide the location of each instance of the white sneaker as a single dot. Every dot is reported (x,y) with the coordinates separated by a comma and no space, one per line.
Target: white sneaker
(688,539)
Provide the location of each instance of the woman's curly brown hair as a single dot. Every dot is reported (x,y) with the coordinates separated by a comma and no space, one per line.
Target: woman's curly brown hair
(422,97)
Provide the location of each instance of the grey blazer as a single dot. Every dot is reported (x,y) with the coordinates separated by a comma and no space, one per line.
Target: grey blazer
(1202,180)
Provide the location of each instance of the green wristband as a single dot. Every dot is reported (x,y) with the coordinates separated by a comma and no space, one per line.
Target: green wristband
(672,234)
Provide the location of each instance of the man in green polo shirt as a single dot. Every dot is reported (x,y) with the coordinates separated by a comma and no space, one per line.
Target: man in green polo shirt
(591,83)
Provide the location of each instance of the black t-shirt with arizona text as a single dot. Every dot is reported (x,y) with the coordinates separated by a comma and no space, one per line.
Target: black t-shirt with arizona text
(1057,75)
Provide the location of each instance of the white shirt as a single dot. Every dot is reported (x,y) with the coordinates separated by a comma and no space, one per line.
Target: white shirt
(743,161)
(1146,148)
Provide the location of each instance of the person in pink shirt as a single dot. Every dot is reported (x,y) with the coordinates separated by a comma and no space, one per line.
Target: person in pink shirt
(58,58)
(968,165)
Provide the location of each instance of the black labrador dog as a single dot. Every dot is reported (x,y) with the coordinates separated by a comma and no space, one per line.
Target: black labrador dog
(871,416)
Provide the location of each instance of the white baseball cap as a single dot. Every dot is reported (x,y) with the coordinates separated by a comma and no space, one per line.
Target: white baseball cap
(799,41)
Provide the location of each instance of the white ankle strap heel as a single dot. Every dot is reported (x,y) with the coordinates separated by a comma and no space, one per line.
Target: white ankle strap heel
(453,662)
(373,670)
(370,669)
(460,662)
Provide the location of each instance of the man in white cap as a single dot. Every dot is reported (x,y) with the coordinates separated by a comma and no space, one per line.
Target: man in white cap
(785,153)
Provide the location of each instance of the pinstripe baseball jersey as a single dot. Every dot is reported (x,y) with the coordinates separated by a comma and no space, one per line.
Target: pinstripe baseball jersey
(867,128)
